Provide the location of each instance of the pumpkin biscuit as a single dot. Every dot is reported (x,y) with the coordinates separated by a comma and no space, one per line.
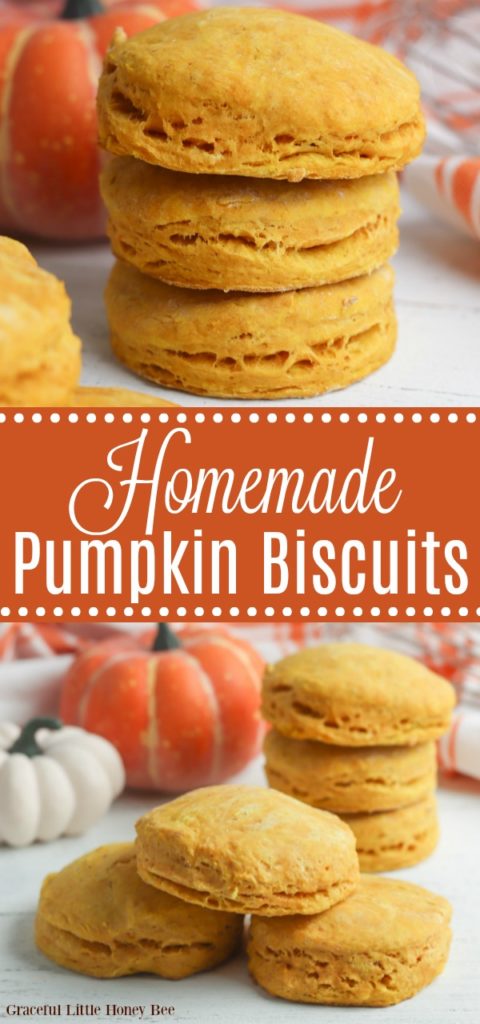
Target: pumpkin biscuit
(288,344)
(381,945)
(245,848)
(353,695)
(97,917)
(210,231)
(261,93)
(388,840)
(39,354)
(349,779)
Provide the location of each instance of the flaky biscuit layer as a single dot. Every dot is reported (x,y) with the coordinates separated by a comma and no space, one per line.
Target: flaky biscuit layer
(349,779)
(295,343)
(234,234)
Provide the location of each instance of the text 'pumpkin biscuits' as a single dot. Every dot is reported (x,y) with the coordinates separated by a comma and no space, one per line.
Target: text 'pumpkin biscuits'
(39,354)
(349,779)
(261,93)
(380,946)
(388,840)
(98,917)
(210,231)
(354,695)
(245,848)
(288,344)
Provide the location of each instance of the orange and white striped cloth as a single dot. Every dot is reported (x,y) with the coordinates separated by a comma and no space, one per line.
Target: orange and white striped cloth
(26,640)
(34,658)
(20,640)
(459,750)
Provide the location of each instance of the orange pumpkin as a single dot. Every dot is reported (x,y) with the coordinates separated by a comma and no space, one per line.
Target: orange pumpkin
(183,713)
(49,68)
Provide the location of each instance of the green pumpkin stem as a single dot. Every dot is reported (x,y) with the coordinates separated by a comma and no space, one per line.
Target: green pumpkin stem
(26,742)
(75,9)
(165,639)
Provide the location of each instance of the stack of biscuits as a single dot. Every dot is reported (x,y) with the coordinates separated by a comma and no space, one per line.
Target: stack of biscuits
(174,904)
(253,201)
(353,733)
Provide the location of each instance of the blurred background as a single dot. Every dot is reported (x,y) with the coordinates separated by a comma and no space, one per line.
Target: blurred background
(40,663)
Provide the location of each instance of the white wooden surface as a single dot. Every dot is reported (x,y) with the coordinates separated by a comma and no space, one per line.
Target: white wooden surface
(438,302)
(227,996)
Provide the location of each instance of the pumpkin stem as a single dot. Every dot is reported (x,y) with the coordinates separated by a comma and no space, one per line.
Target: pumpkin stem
(75,9)
(26,742)
(165,639)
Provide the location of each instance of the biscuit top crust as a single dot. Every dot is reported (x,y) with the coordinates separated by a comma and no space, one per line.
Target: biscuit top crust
(274,76)
(102,894)
(246,839)
(372,678)
(34,306)
(271,64)
(382,915)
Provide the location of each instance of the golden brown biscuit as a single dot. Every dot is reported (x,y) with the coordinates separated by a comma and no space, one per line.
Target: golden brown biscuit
(39,354)
(97,917)
(380,946)
(388,840)
(260,93)
(293,344)
(93,397)
(245,848)
(352,695)
(349,779)
(210,231)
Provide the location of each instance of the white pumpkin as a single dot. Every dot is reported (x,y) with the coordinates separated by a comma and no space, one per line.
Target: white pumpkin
(54,780)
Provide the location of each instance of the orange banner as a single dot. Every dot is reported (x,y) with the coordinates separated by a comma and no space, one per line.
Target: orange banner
(248,514)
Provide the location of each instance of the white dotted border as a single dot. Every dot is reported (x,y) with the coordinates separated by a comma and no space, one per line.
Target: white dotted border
(251,612)
(261,416)
(245,416)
